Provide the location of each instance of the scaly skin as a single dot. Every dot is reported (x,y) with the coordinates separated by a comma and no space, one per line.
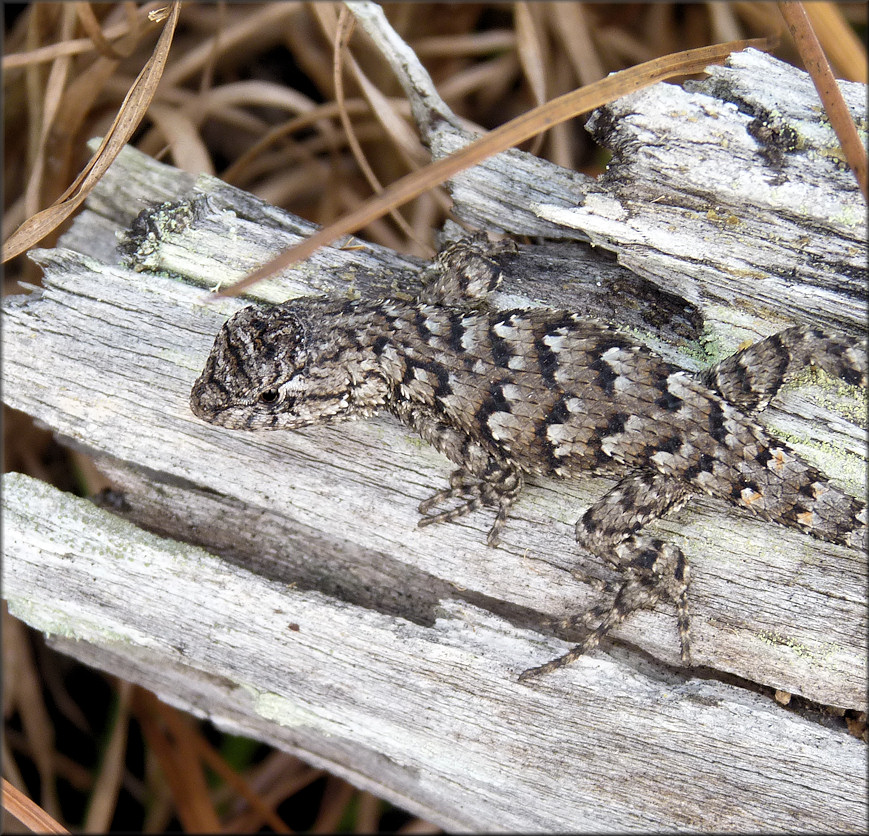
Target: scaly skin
(543,392)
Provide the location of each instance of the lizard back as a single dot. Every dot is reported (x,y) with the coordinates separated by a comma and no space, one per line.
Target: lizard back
(542,391)
(558,395)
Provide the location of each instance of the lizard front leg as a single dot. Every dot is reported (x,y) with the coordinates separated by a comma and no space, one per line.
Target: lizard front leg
(466,272)
(651,569)
(483,478)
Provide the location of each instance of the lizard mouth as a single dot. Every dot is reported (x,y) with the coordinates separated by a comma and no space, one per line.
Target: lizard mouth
(207,400)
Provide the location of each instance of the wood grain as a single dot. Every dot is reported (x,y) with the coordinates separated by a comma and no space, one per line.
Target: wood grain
(277,582)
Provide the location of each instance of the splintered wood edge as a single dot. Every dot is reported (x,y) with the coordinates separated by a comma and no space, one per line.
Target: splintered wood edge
(289,670)
(724,531)
(801,657)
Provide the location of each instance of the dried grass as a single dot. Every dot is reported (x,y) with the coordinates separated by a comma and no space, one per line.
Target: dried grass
(285,101)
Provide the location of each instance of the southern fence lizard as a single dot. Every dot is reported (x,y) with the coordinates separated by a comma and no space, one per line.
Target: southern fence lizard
(541,392)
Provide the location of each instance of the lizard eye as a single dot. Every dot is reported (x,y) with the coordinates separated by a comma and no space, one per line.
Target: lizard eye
(269,396)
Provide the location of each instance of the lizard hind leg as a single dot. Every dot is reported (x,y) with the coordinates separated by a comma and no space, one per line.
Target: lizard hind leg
(658,571)
(651,569)
(753,375)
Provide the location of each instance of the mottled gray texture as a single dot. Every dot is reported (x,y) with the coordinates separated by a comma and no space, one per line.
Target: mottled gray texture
(507,393)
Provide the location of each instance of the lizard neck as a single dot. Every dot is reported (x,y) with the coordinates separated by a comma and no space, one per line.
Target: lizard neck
(413,346)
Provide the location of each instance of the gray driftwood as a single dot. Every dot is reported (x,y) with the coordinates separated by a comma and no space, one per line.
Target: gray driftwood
(277,583)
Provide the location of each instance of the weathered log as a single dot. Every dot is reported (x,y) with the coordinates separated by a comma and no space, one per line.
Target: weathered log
(277,582)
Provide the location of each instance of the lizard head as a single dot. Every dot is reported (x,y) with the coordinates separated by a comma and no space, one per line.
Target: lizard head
(304,362)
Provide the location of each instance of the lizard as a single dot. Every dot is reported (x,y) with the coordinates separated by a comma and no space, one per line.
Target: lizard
(507,394)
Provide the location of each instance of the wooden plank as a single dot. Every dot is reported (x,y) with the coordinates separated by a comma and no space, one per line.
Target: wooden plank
(401,675)
(430,716)
(127,346)
(730,193)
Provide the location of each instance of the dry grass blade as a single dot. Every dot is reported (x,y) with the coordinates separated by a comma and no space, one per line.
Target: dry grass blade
(846,50)
(270,17)
(86,88)
(368,813)
(24,694)
(79,45)
(529,46)
(508,135)
(478,43)
(53,91)
(180,130)
(30,814)
(343,31)
(572,29)
(818,68)
(530,50)
(54,88)
(131,112)
(104,798)
(239,168)
(339,30)
(335,800)
(170,740)
(92,26)
(277,778)
(214,761)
